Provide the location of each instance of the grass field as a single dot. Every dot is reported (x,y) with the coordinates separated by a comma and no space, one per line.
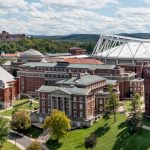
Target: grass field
(110,136)
(19,101)
(24,106)
(9,146)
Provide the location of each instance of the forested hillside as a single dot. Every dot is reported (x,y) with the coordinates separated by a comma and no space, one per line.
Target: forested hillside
(51,45)
(59,44)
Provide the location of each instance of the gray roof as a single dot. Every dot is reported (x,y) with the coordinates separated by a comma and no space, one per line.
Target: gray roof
(111,82)
(83,80)
(5,76)
(58,54)
(69,90)
(31,53)
(86,66)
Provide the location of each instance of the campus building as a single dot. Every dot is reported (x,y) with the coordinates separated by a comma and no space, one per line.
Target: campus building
(9,88)
(75,96)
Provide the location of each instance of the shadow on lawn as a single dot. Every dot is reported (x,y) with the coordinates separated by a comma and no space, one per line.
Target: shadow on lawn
(98,132)
(126,141)
(53,144)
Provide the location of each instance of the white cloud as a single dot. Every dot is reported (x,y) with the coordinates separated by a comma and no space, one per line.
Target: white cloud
(55,17)
(86,4)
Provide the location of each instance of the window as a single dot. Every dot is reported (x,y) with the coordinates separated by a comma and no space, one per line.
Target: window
(43,110)
(43,96)
(81,106)
(74,106)
(49,103)
(100,101)
(49,110)
(81,113)
(43,103)
(67,113)
(75,113)
(101,108)
(49,96)
(67,105)
(74,99)
(81,99)
(55,104)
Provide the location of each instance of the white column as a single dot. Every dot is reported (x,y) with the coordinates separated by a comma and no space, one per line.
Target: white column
(57,103)
(63,104)
(70,107)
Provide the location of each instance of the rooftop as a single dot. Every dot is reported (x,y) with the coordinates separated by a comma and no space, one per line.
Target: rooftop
(86,66)
(82,61)
(31,53)
(82,80)
(5,76)
(73,90)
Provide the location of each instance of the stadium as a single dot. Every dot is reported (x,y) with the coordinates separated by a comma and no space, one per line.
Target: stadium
(113,49)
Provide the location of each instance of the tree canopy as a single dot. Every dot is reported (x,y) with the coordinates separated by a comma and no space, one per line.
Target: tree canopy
(20,120)
(35,145)
(58,123)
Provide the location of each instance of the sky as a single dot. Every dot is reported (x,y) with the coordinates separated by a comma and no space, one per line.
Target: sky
(62,17)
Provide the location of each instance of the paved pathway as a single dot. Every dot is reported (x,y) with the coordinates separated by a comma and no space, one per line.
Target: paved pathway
(20,140)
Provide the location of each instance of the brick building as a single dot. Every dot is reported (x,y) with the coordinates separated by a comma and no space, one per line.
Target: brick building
(76,97)
(34,75)
(147,91)
(77,51)
(9,88)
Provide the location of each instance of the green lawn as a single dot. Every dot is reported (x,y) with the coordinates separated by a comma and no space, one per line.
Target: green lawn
(20,101)
(127,105)
(146,121)
(24,106)
(111,136)
(9,146)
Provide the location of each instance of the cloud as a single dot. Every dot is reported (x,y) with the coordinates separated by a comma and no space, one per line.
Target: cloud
(86,4)
(55,17)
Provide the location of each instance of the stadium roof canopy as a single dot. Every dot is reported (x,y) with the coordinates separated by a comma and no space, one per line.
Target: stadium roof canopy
(122,47)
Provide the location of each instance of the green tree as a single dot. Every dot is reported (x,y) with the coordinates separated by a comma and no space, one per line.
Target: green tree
(4,130)
(134,120)
(113,103)
(35,145)
(90,142)
(58,123)
(20,120)
(135,103)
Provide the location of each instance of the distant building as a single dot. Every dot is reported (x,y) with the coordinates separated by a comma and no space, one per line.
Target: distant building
(77,51)
(9,88)
(6,36)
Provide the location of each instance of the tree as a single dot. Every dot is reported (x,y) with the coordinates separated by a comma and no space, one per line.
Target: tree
(58,123)
(35,145)
(20,120)
(90,142)
(112,104)
(134,120)
(4,130)
(135,103)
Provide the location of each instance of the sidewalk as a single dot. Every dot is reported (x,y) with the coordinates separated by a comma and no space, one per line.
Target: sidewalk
(17,144)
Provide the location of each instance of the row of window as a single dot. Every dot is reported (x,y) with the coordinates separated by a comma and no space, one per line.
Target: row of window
(61,69)
(43,96)
(61,104)
(67,112)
